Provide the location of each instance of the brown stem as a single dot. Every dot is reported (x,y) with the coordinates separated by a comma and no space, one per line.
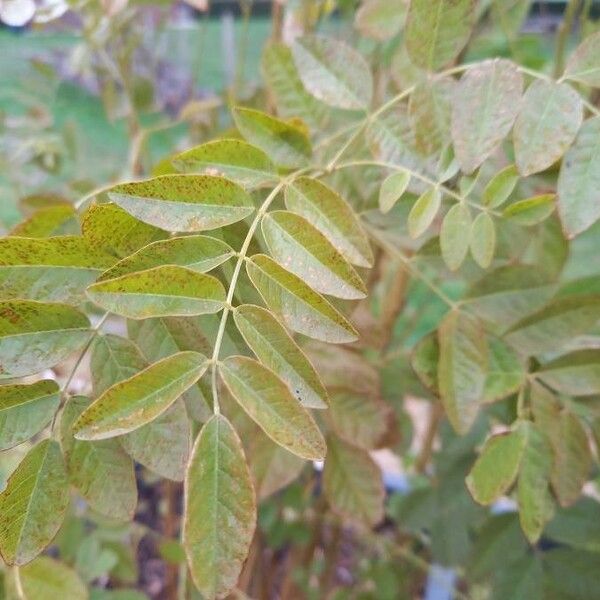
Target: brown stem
(171,492)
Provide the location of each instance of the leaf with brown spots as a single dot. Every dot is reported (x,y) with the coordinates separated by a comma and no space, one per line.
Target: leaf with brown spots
(184,202)
(132,403)
(33,504)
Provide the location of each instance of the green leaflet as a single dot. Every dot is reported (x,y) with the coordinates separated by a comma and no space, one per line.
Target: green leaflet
(132,403)
(462,368)
(159,338)
(100,470)
(161,291)
(33,504)
(508,294)
(572,458)
(56,269)
(579,180)
(273,467)
(284,142)
(237,160)
(556,323)
(25,410)
(48,579)
(574,374)
(482,240)
(424,211)
(536,506)
(363,421)
(497,466)
(37,335)
(219,511)
(113,359)
(429,111)
(392,189)
(109,227)
(500,187)
(276,349)
(163,446)
(380,19)
(352,483)
(51,220)
(326,210)
(184,202)
(302,309)
(283,81)
(548,120)
(333,72)
(455,235)
(268,401)
(437,30)
(303,250)
(485,106)
(531,211)
(199,253)
(584,64)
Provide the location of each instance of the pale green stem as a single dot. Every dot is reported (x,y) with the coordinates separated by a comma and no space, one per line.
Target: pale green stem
(406,263)
(420,177)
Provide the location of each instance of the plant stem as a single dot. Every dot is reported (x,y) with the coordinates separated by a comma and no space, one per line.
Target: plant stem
(236,273)
(563,36)
(391,249)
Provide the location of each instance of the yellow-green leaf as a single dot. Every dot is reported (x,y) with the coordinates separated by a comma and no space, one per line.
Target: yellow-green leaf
(579,181)
(33,504)
(332,216)
(219,511)
(380,19)
(25,410)
(200,253)
(302,249)
(558,322)
(574,374)
(482,240)
(184,202)
(392,189)
(285,143)
(584,64)
(109,227)
(162,291)
(301,309)
(462,367)
(100,470)
(244,163)
(333,72)
(56,269)
(455,235)
(48,579)
(268,401)
(484,109)
(497,467)
(132,403)
(536,506)
(500,186)
(51,220)
(352,483)
(424,211)
(437,30)
(276,349)
(548,120)
(38,335)
(531,211)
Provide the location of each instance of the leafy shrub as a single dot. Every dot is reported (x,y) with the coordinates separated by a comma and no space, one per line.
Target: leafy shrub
(428,210)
